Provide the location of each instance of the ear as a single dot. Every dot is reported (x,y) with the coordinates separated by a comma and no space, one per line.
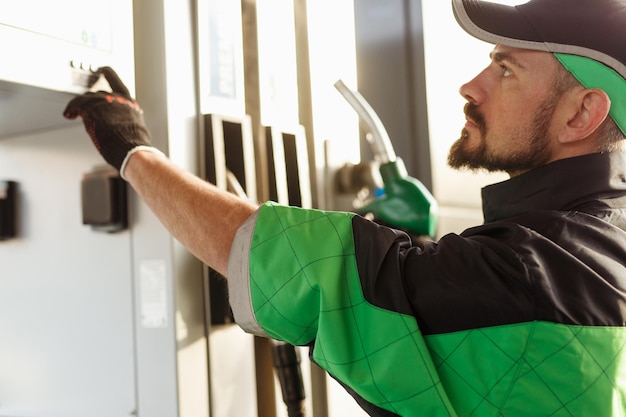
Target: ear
(587,109)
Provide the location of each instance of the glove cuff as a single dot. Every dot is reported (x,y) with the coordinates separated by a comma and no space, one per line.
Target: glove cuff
(132,151)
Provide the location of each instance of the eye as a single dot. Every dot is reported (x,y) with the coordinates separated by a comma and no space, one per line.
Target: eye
(506,72)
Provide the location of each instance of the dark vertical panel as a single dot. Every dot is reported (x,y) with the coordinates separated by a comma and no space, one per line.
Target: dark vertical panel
(390,67)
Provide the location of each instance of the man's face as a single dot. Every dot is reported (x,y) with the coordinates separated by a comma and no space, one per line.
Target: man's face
(509,113)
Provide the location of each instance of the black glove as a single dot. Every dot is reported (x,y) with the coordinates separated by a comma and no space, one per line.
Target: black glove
(114,121)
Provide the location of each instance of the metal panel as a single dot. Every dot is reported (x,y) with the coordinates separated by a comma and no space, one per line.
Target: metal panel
(390,62)
(288,167)
(56,55)
(172,368)
(229,151)
(66,302)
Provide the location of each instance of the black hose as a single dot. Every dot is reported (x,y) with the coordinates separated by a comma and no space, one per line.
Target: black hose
(287,364)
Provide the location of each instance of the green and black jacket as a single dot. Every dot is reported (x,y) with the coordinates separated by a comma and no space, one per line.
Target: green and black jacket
(521,316)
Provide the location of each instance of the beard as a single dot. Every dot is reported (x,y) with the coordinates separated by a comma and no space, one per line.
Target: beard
(532,154)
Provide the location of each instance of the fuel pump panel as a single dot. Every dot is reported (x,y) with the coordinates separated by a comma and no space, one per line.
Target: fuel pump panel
(8,209)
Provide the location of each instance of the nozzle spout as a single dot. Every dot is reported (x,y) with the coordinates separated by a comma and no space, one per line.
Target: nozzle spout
(378,136)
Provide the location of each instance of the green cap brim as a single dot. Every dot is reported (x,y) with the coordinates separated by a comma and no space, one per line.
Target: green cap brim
(593,74)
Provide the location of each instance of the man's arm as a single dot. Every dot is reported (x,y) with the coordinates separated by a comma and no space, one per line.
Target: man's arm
(198,214)
(202,217)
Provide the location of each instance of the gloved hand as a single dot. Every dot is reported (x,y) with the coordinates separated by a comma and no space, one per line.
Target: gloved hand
(114,121)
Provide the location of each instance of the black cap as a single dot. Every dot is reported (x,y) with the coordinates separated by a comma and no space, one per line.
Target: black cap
(586,36)
(594,29)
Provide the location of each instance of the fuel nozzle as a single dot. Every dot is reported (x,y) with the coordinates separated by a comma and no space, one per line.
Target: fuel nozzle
(404,202)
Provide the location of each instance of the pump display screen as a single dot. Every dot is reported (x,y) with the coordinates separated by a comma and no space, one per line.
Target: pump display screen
(85,22)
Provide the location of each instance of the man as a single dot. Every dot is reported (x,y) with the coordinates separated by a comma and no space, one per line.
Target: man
(523,315)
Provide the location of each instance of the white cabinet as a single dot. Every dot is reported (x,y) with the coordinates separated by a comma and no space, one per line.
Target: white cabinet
(66,293)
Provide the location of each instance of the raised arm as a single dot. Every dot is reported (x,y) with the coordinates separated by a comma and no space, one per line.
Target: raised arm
(201,216)
(198,214)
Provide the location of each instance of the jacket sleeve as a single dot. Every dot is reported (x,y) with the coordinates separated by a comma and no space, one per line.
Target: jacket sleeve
(293,276)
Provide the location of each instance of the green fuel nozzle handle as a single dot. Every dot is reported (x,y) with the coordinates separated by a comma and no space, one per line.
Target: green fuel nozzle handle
(406,204)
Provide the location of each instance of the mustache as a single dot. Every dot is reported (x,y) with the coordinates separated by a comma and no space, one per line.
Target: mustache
(475,115)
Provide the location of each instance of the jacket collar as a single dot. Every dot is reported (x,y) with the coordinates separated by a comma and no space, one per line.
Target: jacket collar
(566,184)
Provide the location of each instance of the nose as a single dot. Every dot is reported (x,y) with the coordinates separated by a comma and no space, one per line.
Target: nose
(472,90)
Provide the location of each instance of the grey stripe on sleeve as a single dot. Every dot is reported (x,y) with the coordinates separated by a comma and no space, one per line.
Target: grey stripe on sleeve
(239,278)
